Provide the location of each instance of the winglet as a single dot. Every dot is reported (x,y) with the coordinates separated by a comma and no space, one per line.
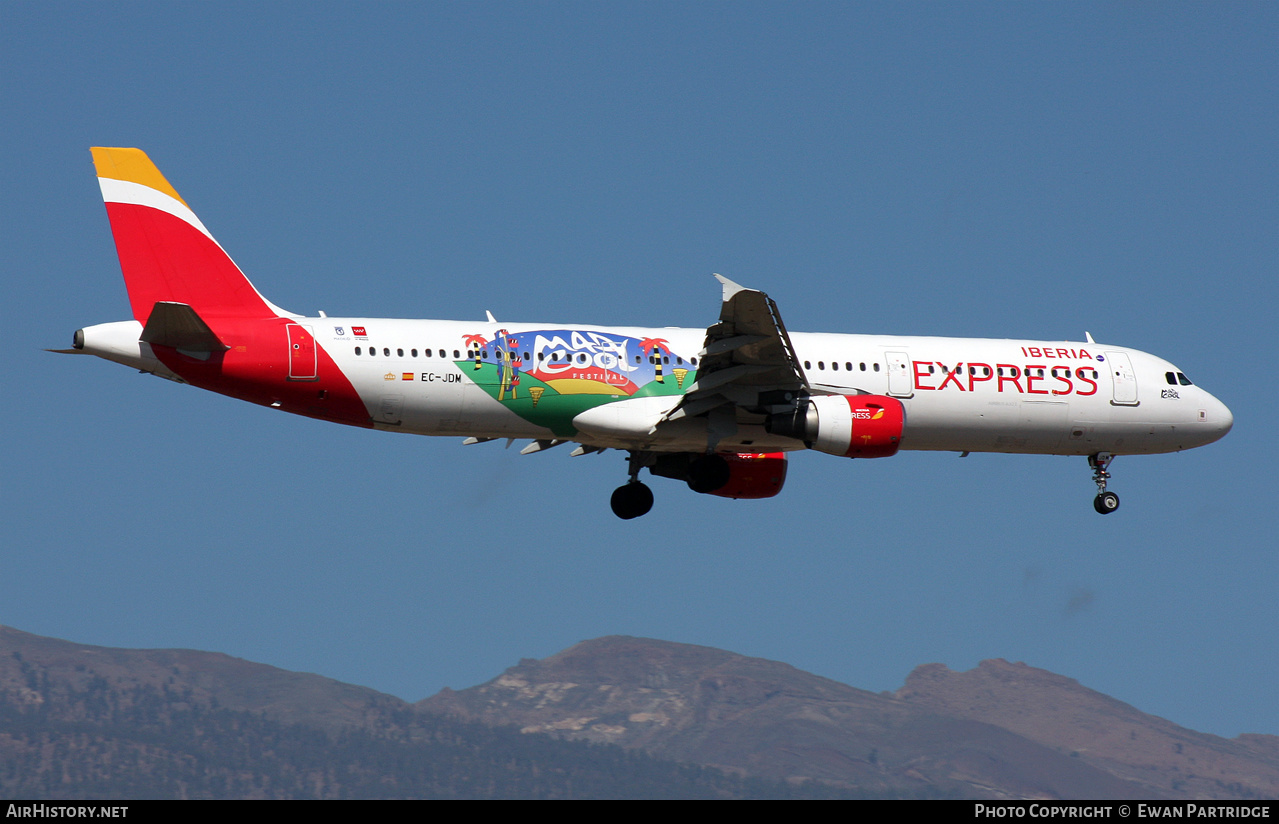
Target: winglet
(730,288)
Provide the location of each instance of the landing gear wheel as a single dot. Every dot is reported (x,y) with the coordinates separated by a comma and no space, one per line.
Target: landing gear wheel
(631,500)
(1106,503)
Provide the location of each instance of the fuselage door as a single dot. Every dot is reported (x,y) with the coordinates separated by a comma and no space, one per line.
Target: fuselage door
(390,409)
(900,382)
(1123,377)
(301,353)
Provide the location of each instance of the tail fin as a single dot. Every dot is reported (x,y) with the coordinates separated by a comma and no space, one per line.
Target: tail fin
(165,252)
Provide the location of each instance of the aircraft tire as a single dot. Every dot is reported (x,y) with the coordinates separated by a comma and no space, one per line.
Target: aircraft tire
(1106,503)
(631,500)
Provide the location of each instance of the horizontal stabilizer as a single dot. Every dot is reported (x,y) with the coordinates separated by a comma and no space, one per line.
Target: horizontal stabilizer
(178,326)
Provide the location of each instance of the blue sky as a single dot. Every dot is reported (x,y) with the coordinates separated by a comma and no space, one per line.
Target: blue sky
(987,170)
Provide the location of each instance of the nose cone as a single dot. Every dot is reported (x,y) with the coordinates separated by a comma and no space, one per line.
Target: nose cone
(1217,419)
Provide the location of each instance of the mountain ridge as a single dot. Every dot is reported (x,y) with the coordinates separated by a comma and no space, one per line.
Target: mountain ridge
(1030,731)
(1000,730)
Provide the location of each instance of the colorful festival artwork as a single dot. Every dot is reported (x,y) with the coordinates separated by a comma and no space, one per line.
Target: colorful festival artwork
(548,376)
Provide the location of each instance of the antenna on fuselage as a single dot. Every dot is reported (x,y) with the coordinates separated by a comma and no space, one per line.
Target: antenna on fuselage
(490,316)
(1088,336)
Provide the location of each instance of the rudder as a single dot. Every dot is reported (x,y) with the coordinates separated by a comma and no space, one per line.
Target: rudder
(166,253)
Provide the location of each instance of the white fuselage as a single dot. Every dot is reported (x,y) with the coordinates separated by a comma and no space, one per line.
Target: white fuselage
(960,394)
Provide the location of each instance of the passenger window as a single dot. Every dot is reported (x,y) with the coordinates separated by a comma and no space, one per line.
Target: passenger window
(399,353)
(876,367)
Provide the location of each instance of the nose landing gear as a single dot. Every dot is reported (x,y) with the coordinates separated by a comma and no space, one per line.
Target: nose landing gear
(1105,502)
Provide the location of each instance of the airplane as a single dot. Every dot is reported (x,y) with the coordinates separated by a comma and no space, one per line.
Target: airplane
(718,408)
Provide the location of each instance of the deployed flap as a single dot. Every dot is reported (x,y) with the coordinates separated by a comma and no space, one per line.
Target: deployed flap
(746,353)
(177,325)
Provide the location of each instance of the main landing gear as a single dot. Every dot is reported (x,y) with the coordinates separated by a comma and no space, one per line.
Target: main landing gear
(1105,502)
(634,498)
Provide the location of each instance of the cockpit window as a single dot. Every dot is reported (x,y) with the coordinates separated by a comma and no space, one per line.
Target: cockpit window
(1171,378)
(1184,380)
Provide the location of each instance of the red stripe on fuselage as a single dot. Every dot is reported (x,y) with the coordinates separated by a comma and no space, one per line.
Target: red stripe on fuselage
(256,369)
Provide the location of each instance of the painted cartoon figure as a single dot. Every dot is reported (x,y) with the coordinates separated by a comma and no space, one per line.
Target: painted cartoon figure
(508,362)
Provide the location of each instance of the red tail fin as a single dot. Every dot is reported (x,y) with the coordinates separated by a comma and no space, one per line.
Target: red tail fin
(165,252)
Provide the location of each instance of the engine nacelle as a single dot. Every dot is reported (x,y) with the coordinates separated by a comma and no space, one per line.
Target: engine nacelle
(727,474)
(853,426)
(752,475)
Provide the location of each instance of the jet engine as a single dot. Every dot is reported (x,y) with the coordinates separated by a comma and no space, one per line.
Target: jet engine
(726,474)
(854,426)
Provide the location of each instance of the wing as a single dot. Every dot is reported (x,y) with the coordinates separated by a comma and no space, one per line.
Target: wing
(746,365)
